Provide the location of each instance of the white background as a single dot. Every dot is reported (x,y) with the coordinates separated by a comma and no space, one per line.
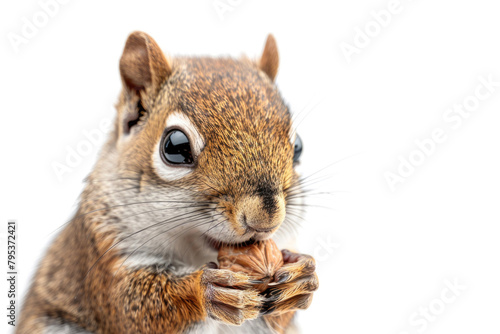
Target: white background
(382,255)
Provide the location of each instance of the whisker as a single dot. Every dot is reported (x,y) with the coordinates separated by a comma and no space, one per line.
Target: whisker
(296,125)
(169,208)
(136,232)
(311,206)
(309,194)
(93,180)
(211,187)
(135,250)
(219,221)
(296,215)
(301,183)
(123,205)
(317,179)
(330,165)
(107,194)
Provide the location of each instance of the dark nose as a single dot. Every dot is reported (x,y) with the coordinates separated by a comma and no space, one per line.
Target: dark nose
(253,213)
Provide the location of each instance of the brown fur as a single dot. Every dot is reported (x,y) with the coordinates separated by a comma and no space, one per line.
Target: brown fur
(109,299)
(247,155)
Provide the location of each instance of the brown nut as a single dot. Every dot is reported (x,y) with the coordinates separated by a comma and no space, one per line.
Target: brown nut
(259,260)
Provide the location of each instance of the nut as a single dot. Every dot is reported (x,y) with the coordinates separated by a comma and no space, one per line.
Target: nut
(259,260)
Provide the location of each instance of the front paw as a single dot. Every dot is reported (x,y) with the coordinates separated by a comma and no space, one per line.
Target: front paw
(229,296)
(295,283)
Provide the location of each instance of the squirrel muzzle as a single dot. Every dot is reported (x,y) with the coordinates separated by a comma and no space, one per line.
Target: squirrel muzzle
(261,213)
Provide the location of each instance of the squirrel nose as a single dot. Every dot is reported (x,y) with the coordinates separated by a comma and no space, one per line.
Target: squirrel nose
(261,213)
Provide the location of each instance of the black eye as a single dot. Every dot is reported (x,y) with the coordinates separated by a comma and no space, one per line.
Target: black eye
(176,148)
(297,149)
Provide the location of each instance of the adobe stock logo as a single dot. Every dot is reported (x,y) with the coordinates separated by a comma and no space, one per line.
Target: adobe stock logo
(380,20)
(453,118)
(74,156)
(31,25)
(224,6)
(421,319)
(325,248)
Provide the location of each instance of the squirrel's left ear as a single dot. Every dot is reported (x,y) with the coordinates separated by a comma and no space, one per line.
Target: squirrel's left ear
(269,61)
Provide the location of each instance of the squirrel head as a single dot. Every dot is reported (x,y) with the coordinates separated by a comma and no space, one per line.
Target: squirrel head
(210,134)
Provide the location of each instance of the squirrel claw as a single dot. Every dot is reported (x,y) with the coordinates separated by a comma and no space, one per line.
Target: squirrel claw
(293,287)
(229,296)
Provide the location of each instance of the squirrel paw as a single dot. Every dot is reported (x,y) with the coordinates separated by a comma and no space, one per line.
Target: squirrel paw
(295,283)
(229,296)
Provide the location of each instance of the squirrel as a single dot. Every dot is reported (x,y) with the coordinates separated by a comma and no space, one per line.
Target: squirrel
(202,154)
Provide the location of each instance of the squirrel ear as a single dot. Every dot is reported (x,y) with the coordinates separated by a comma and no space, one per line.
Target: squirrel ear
(143,67)
(269,61)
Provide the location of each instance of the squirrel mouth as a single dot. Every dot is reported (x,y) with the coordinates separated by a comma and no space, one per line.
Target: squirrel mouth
(217,244)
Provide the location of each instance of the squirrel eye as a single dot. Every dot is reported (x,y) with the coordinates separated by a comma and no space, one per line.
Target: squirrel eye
(297,148)
(176,148)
